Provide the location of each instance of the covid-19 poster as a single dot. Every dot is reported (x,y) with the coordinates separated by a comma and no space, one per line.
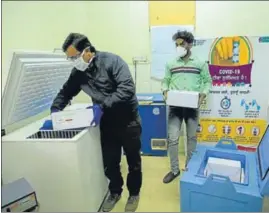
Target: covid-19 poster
(237,103)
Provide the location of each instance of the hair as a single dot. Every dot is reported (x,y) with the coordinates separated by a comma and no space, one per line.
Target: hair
(186,36)
(79,41)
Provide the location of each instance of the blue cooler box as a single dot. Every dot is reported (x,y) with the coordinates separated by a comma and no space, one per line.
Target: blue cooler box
(153,114)
(217,193)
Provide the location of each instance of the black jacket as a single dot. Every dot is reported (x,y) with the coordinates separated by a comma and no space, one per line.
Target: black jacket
(107,81)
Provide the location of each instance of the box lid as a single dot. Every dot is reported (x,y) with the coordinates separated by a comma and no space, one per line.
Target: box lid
(34,79)
(263,163)
(154,97)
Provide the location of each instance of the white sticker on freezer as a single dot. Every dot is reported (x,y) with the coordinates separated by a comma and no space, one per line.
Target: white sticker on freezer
(156,111)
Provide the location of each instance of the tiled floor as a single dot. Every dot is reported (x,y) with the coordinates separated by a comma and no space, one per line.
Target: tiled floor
(155,196)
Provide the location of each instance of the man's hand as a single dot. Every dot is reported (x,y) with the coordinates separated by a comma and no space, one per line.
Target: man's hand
(97,114)
(202,97)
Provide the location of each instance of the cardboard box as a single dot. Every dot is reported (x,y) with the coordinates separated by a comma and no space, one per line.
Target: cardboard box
(72,119)
(224,167)
(183,99)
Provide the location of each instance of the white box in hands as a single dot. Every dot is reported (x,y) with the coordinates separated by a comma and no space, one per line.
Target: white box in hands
(183,99)
(225,167)
(72,119)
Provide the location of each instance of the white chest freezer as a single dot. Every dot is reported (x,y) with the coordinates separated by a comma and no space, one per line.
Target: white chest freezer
(65,168)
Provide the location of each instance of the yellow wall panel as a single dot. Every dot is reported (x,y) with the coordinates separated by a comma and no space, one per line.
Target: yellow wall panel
(171,13)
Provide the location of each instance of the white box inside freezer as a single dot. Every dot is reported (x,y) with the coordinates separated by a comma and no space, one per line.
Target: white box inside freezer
(224,167)
(72,119)
(186,99)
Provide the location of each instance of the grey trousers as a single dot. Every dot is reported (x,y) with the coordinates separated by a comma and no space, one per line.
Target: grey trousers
(175,119)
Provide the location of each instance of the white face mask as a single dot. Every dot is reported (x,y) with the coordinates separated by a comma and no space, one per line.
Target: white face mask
(80,64)
(181,51)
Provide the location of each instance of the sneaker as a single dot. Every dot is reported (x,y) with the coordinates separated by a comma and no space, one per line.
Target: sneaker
(132,204)
(170,177)
(110,202)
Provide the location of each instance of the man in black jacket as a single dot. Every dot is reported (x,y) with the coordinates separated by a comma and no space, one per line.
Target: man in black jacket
(106,78)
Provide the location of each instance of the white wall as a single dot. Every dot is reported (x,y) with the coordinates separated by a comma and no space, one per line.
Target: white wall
(110,26)
(36,26)
(121,27)
(228,18)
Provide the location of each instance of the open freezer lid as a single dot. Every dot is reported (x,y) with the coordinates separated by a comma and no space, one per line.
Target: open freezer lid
(263,163)
(34,79)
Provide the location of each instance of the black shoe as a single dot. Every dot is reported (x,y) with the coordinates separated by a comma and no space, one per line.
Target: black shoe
(110,202)
(170,177)
(132,204)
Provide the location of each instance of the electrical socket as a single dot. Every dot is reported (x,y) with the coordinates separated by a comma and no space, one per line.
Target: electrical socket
(140,59)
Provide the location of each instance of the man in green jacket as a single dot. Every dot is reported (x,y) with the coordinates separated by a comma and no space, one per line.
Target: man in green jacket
(184,73)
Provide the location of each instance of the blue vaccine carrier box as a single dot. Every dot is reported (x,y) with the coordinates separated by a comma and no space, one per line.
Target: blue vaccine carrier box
(153,113)
(216,193)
